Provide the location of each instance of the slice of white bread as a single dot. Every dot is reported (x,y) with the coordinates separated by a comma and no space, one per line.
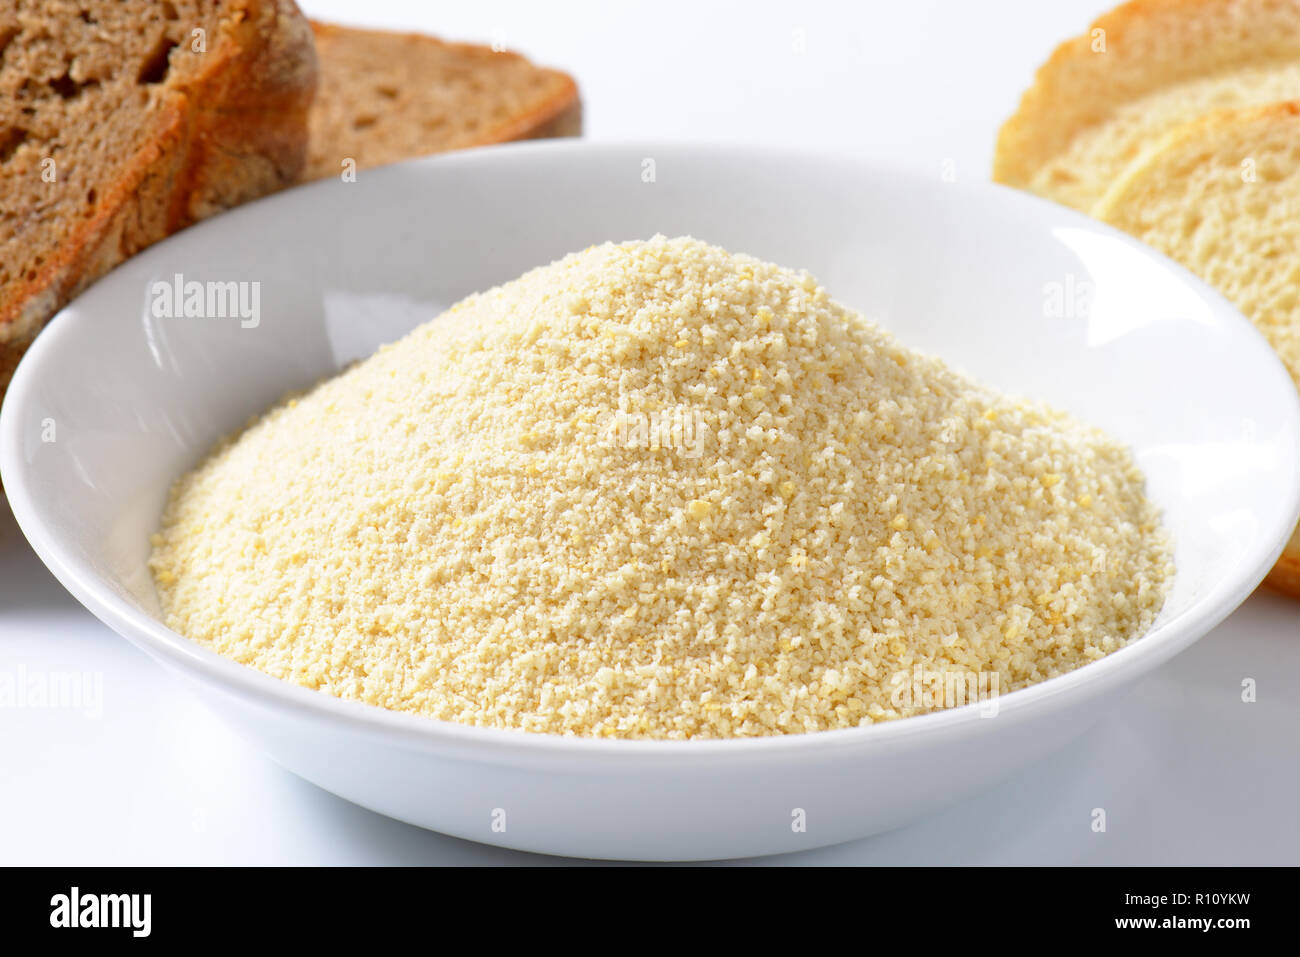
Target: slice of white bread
(1139,71)
(1221,195)
(121,121)
(385,97)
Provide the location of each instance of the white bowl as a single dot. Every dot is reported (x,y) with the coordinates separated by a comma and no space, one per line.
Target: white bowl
(1020,293)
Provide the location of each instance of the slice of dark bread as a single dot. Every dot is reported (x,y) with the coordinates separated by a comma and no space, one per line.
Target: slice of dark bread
(122,121)
(385,97)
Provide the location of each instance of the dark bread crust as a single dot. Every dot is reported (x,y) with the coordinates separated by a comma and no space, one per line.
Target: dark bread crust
(233,129)
(351,59)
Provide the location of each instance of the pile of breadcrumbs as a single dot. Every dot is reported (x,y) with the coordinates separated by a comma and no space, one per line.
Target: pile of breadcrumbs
(453,528)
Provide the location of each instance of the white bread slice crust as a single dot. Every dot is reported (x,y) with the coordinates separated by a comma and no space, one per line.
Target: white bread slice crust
(1140,70)
(1285,575)
(146,125)
(385,97)
(1221,195)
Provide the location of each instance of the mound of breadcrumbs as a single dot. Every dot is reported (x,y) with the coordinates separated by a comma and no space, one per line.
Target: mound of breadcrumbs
(659,490)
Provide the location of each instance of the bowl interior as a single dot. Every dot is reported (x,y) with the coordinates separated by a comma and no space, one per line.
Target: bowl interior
(114,401)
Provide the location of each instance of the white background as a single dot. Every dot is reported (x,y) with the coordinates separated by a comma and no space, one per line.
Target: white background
(1187,773)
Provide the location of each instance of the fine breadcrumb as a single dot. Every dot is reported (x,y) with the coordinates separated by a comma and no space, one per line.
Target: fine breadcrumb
(465,527)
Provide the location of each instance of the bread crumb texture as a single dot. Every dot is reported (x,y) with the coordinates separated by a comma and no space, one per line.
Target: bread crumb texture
(447,528)
(1221,197)
(1098,155)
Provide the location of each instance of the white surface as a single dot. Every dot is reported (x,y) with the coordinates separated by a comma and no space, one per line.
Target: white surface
(1186,772)
(137,400)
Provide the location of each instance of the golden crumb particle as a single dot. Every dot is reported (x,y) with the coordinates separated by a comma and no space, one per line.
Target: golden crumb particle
(699,508)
